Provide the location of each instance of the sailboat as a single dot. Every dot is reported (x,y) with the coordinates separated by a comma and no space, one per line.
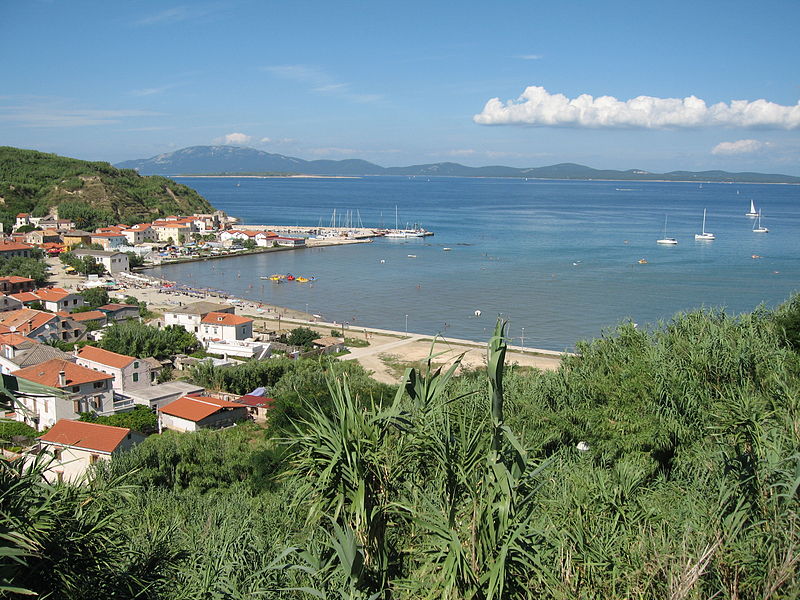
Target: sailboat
(666,240)
(705,235)
(752,212)
(758,228)
(396,232)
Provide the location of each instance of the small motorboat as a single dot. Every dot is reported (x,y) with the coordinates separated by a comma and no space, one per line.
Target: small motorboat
(302,279)
(289,277)
(642,261)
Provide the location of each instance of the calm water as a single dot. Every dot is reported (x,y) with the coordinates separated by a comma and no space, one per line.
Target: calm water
(557,258)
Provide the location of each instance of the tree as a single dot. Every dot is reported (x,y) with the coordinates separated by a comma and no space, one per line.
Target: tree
(135,260)
(249,244)
(137,339)
(24,267)
(95,297)
(302,336)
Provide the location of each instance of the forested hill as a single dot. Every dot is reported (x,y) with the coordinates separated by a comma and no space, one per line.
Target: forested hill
(34,182)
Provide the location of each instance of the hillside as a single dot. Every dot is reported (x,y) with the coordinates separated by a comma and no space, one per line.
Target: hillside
(35,182)
(231,160)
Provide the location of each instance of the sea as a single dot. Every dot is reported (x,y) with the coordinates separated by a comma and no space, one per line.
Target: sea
(562,261)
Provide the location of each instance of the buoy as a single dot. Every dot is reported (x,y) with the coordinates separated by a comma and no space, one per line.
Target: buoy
(477,313)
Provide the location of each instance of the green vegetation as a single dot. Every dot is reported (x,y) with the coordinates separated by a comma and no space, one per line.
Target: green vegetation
(659,463)
(140,419)
(9,429)
(301,336)
(137,339)
(33,268)
(95,297)
(85,265)
(93,194)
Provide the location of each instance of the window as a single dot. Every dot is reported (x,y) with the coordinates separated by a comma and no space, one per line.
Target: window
(93,458)
(76,406)
(135,377)
(76,388)
(136,364)
(97,402)
(99,384)
(57,453)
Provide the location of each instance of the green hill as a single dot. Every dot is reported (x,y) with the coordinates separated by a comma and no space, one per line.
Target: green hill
(92,193)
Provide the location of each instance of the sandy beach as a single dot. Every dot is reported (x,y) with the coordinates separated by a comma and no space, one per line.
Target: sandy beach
(387,355)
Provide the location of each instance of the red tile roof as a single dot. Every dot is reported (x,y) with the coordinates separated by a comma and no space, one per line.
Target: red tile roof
(89,436)
(6,246)
(256,401)
(218,318)
(196,408)
(23,215)
(52,294)
(105,357)
(25,320)
(46,373)
(14,339)
(25,297)
(89,315)
(15,279)
(114,307)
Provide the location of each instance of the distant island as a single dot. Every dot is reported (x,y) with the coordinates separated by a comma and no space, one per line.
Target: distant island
(232,160)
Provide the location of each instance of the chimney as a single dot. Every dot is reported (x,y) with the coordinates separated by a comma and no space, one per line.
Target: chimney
(62,379)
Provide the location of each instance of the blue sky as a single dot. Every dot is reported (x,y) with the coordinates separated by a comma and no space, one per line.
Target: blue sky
(653,85)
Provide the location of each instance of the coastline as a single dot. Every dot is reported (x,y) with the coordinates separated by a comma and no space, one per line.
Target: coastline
(389,351)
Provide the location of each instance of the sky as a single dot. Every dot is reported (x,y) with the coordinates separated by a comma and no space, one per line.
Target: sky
(659,86)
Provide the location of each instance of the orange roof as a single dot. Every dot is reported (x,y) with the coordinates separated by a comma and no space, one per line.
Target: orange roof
(52,294)
(91,436)
(6,246)
(218,318)
(89,315)
(107,235)
(25,297)
(25,320)
(104,357)
(13,339)
(196,408)
(138,227)
(23,215)
(15,279)
(46,373)
(112,229)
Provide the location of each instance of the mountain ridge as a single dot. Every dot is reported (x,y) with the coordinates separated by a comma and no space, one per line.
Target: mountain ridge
(199,160)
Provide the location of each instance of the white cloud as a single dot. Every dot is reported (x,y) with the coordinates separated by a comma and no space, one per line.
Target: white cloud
(740,147)
(536,106)
(331,151)
(234,139)
(530,56)
(463,152)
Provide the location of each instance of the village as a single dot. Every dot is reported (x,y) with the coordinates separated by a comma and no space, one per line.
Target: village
(64,382)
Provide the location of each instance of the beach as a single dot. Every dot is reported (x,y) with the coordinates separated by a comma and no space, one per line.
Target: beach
(388,354)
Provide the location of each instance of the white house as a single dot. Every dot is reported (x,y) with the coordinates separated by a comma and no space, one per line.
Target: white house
(76,390)
(53,299)
(18,352)
(76,445)
(140,233)
(191,413)
(109,241)
(41,326)
(225,326)
(189,316)
(130,373)
(114,262)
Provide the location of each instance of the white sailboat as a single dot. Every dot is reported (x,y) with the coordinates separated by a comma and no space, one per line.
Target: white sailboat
(752,212)
(705,235)
(396,232)
(666,240)
(757,228)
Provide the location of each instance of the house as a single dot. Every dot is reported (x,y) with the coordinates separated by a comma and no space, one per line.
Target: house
(329,345)
(23,219)
(113,262)
(138,234)
(190,413)
(13,284)
(47,236)
(129,372)
(53,299)
(224,326)
(172,228)
(76,446)
(190,316)
(19,352)
(35,324)
(109,241)
(8,303)
(10,249)
(98,317)
(74,237)
(120,312)
(76,389)
(240,348)
(257,406)
(51,222)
